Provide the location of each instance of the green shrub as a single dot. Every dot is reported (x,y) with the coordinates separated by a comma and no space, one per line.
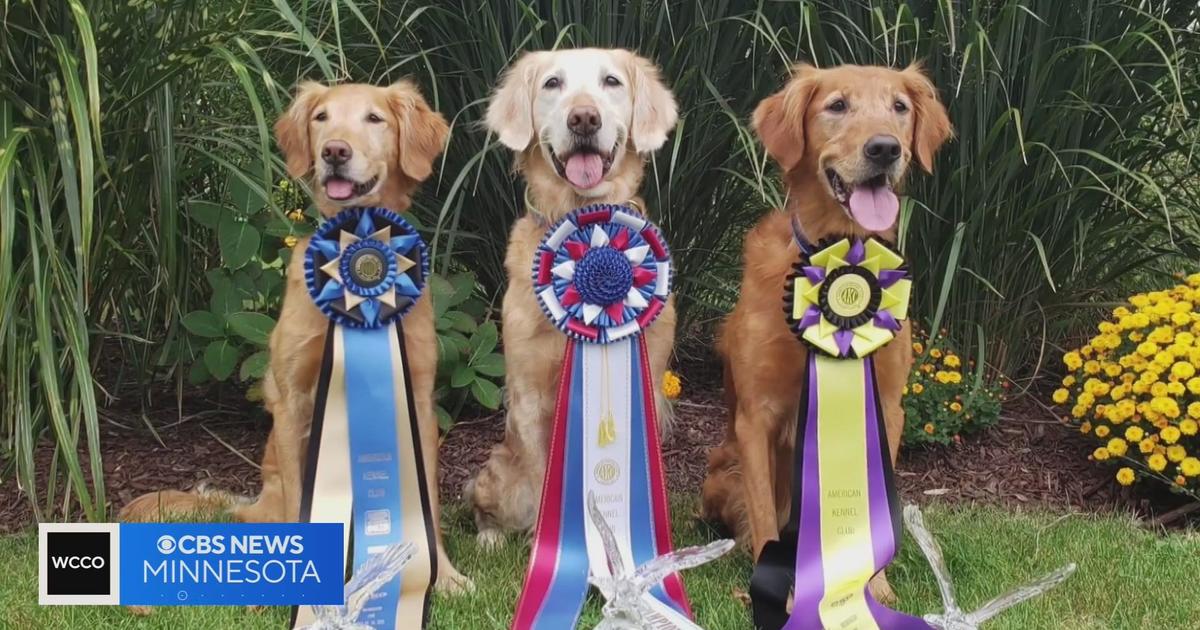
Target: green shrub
(946,399)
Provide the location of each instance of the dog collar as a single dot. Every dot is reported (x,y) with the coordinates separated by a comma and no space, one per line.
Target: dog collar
(545,222)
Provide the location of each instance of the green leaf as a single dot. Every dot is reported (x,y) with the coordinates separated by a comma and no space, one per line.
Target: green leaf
(204,324)
(238,239)
(205,213)
(489,365)
(442,292)
(253,327)
(220,357)
(483,342)
(444,419)
(198,374)
(255,366)
(464,286)
(458,320)
(224,299)
(486,392)
(463,375)
(245,200)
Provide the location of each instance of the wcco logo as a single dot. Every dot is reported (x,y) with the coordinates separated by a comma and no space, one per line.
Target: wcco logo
(77,563)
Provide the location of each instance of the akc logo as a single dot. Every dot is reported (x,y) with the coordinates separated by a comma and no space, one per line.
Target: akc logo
(77,563)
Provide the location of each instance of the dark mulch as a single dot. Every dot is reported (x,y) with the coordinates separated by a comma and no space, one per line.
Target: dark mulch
(1028,459)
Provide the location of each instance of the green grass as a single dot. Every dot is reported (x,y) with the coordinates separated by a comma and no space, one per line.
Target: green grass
(1128,578)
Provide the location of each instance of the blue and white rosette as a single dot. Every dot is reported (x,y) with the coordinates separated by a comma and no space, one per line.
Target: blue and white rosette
(602,275)
(365,269)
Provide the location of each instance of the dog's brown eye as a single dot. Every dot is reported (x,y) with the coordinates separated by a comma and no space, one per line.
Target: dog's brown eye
(320,117)
(612,81)
(838,105)
(553,83)
(374,118)
(900,107)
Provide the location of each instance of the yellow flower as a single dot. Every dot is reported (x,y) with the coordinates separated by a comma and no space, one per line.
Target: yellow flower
(1125,476)
(1188,426)
(956,407)
(1146,446)
(1091,367)
(1117,447)
(917,388)
(1190,467)
(1086,427)
(1102,431)
(671,385)
(1193,385)
(1134,434)
(935,353)
(1176,453)
(1100,454)
(953,361)
(1061,396)
(929,428)
(954,377)
(1072,361)
(1068,380)
(1156,462)
(290,240)
(918,347)
(296,215)
(1147,349)
(1170,435)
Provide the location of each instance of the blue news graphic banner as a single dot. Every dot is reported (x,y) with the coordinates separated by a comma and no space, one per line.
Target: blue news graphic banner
(199,564)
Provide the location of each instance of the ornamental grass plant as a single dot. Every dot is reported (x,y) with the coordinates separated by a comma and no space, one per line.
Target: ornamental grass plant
(138,174)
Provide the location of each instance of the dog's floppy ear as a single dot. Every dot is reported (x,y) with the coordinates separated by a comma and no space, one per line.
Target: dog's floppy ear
(510,111)
(421,132)
(931,125)
(291,130)
(654,110)
(779,119)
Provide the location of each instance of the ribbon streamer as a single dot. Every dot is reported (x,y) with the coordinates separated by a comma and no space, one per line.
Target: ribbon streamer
(365,269)
(845,300)
(602,275)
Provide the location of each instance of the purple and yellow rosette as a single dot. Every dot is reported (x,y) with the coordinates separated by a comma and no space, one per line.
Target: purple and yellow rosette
(365,269)
(846,299)
(602,275)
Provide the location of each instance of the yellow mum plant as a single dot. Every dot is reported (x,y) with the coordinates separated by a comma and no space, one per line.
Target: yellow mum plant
(1135,388)
(944,398)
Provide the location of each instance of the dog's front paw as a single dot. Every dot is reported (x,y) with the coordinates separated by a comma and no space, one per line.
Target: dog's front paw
(490,538)
(451,582)
(881,590)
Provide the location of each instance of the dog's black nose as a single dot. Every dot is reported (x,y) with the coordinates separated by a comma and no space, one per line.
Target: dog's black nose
(336,152)
(583,120)
(882,150)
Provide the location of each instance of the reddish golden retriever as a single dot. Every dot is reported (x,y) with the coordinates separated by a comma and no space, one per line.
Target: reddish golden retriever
(844,139)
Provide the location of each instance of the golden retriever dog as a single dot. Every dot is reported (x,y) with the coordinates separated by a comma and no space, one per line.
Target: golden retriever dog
(844,139)
(580,123)
(359,145)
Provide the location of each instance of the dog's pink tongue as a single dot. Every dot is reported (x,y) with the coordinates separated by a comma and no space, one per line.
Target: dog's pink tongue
(584,170)
(339,189)
(874,208)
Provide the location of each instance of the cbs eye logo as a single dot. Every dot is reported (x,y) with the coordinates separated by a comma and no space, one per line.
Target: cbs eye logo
(78,564)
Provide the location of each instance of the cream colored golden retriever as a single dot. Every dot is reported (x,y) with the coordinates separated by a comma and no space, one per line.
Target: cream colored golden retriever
(580,122)
(360,145)
(844,139)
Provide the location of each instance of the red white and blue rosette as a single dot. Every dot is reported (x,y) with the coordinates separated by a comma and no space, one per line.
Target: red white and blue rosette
(602,273)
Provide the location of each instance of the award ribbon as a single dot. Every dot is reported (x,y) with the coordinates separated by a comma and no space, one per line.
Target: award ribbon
(602,275)
(845,300)
(365,269)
